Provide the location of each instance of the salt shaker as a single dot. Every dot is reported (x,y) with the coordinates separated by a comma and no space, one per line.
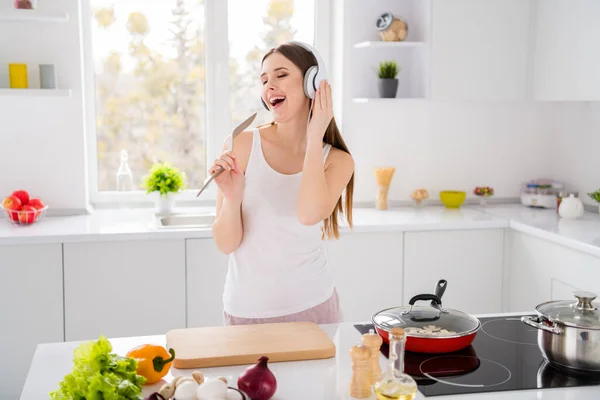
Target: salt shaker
(373,341)
(360,385)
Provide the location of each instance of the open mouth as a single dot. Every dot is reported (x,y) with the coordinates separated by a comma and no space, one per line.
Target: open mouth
(276,101)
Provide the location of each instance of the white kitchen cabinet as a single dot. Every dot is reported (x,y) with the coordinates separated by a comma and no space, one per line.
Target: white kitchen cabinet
(367,270)
(480,49)
(470,260)
(567,55)
(540,270)
(31,309)
(125,288)
(206,272)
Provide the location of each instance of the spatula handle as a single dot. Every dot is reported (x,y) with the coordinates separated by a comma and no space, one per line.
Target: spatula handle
(210,179)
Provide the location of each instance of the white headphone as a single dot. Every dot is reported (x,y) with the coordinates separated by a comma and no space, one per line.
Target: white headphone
(313,76)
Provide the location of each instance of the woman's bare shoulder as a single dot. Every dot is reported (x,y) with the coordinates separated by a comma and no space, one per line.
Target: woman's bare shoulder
(340,159)
(244,139)
(242,145)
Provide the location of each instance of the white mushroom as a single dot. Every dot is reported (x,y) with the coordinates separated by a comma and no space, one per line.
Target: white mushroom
(213,389)
(186,390)
(167,390)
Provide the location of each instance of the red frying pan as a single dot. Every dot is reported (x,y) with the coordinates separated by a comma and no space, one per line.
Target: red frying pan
(463,326)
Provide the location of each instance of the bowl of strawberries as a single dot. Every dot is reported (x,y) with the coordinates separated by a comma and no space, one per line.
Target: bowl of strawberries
(22,209)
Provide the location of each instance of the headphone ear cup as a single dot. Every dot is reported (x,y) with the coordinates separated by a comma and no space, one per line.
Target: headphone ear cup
(264,104)
(309,82)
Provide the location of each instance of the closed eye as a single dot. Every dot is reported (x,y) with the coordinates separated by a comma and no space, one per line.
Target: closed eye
(280,76)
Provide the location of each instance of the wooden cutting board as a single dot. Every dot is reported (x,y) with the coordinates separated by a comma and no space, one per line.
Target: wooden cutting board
(245,344)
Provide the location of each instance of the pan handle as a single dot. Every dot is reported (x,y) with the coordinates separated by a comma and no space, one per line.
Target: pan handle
(536,322)
(426,296)
(440,288)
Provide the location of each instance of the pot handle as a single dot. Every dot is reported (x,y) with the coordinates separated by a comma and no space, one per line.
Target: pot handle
(536,322)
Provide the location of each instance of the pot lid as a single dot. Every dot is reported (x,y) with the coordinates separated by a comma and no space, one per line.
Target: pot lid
(426,321)
(579,313)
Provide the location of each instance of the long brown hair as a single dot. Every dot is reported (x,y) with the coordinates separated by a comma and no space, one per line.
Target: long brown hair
(304,59)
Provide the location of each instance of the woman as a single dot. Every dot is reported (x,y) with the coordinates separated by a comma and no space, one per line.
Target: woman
(279,195)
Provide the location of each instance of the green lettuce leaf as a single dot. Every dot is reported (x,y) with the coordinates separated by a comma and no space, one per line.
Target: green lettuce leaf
(99,374)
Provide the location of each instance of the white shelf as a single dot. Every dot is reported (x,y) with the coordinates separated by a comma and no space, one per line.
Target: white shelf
(381,44)
(32,16)
(380,99)
(36,92)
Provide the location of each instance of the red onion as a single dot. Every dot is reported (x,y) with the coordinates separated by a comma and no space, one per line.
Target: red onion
(257,381)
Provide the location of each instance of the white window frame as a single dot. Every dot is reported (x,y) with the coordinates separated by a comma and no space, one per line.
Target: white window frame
(218,123)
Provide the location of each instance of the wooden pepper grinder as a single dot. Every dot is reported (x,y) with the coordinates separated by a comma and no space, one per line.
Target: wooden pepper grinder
(373,341)
(360,385)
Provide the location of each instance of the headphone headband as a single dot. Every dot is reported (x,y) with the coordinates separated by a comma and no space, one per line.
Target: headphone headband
(322,73)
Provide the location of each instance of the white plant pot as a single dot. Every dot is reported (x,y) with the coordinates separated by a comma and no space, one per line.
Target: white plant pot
(165,203)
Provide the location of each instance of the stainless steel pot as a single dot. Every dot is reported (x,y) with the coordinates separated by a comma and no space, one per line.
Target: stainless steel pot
(549,376)
(569,332)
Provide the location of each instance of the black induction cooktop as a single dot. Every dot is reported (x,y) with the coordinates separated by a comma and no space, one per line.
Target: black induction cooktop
(504,356)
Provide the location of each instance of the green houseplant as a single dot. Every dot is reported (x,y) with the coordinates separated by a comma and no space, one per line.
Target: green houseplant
(596,197)
(166,180)
(387,85)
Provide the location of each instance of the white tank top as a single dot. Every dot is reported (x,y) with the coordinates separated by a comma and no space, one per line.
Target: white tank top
(281,266)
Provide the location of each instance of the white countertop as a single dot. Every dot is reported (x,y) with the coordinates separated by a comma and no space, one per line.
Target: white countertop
(315,380)
(581,234)
(140,224)
(123,224)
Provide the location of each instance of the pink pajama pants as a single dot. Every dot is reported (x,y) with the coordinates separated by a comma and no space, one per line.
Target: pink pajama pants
(327,312)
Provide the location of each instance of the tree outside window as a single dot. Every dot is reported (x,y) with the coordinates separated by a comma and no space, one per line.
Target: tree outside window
(150,76)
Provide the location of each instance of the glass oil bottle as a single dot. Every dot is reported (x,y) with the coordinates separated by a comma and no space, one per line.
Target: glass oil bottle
(394,383)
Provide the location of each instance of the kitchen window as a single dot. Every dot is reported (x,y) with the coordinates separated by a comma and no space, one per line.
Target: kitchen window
(167,80)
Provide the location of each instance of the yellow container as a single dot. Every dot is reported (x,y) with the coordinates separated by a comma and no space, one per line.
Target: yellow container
(18,76)
(452,198)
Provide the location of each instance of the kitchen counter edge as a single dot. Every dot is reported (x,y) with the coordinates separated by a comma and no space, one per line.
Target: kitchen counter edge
(95,228)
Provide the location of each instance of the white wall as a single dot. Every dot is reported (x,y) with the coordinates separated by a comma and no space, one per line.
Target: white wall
(442,146)
(455,145)
(436,145)
(575,139)
(42,141)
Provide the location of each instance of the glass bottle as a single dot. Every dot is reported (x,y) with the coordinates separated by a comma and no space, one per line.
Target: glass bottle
(395,384)
(124,176)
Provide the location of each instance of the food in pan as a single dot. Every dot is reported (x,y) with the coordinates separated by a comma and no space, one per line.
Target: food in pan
(429,330)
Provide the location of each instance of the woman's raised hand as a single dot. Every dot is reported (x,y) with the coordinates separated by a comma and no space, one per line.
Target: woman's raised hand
(231,180)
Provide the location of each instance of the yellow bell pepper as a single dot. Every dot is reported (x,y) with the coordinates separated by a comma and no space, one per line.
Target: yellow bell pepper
(154,362)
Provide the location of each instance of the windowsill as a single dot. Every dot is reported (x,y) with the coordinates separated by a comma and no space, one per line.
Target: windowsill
(141,200)
(147,205)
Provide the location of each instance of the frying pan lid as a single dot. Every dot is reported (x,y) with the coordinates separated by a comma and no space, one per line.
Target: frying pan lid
(433,318)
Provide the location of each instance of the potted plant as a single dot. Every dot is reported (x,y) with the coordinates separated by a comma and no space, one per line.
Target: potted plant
(596,197)
(167,181)
(388,83)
